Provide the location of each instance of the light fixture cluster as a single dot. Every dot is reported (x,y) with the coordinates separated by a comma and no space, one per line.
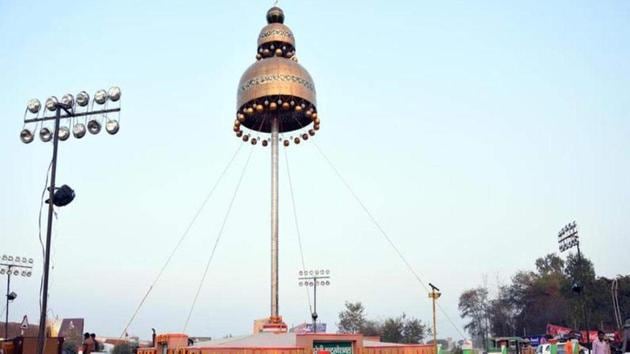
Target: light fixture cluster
(318,277)
(315,282)
(9,264)
(568,237)
(77,109)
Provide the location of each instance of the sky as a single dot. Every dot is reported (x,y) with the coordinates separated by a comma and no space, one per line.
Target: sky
(471,131)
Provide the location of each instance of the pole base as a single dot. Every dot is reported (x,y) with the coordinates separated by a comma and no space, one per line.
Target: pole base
(275,324)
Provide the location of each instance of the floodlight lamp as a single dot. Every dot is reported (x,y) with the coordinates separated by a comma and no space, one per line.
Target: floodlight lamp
(63,196)
(30,260)
(26,136)
(51,103)
(100,96)
(114,93)
(310,272)
(67,99)
(94,127)
(300,273)
(45,135)
(301,283)
(17,259)
(112,126)
(11,296)
(28,274)
(24,260)
(2,271)
(79,129)
(64,133)
(327,271)
(23,273)
(83,98)
(311,284)
(4,257)
(10,258)
(317,272)
(16,273)
(327,282)
(34,105)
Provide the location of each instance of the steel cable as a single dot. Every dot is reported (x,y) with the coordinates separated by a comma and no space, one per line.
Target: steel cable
(216,243)
(387,238)
(181,239)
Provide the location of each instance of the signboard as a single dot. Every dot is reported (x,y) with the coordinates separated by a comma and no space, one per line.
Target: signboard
(333,347)
(308,328)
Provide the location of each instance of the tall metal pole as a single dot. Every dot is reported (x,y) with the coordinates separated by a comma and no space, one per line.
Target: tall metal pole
(6,319)
(314,314)
(434,295)
(42,316)
(434,323)
(274,219)
(583,296)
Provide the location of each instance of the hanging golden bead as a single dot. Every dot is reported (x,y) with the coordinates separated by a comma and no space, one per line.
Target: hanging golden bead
(239,133)
(316,121)
(273,106)
(286,105)
(278,52)
(245,137)
(316,127)
(286,143)
(259,108)
(240,117)
(254,141)
(311,132)
(265,142)
(298,109)
(249,111)
(296,140)
(304,136)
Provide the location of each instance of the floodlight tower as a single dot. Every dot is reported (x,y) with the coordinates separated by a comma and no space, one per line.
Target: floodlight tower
(67,111)
(275,101)
(8,266)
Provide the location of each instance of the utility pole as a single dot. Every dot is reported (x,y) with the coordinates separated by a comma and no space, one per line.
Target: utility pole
(434,295)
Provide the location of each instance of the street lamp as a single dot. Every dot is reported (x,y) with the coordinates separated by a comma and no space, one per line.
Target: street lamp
(76,111)
(13,266)
(314,278)
(434,295)
(568,238)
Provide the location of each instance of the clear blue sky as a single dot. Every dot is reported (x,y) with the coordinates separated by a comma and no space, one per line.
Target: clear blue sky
(472,130)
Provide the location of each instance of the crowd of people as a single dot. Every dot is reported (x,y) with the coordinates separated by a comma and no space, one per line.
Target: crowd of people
(90,344)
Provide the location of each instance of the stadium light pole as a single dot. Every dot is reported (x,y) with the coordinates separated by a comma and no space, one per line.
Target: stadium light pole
(7,266)
(73,111)
(568,238)
(313,278)
(434,295)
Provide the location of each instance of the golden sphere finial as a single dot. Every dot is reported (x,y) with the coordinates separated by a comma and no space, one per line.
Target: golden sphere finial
(275,15)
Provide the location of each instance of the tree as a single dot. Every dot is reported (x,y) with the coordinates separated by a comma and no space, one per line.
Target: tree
(352,319)
(414,331)
(393,330)
(473,304)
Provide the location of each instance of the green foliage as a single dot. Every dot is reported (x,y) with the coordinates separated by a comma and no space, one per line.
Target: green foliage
(534,299)
(401,329)
(123,348)
(352,319)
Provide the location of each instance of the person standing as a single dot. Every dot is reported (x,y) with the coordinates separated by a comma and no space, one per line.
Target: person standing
(600,345)
(96,346)
(88,344)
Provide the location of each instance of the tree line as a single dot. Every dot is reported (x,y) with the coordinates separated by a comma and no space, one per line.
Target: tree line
(561,292)
(401,329)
